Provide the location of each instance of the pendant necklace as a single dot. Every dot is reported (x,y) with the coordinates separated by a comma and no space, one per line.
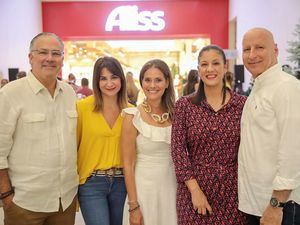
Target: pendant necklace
(157,118)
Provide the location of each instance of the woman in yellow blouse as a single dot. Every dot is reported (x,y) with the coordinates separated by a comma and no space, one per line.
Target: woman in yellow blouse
(102,189)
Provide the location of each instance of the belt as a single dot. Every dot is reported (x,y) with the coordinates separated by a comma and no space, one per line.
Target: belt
(112,172)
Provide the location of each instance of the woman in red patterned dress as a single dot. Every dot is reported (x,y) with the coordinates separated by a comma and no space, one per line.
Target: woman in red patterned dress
(205,141)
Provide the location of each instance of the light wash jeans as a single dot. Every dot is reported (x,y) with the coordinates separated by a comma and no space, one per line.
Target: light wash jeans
(101,200)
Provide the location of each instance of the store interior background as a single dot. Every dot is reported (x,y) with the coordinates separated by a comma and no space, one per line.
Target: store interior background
(20,20)
(180,54)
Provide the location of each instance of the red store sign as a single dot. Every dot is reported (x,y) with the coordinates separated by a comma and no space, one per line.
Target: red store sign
(138,19)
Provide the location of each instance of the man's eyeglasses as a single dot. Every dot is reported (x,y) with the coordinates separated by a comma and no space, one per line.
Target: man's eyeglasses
(45,53)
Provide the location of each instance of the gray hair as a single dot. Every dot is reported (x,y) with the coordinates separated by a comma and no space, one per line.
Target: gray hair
(45,34)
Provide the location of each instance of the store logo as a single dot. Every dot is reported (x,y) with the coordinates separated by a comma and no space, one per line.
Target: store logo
(128,18)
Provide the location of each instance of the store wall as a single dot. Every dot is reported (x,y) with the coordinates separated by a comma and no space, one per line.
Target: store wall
(119,20)
(20,21)
(279,16)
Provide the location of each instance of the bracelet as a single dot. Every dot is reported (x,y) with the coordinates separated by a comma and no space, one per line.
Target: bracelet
(8,193)
(133,209)
(132,202)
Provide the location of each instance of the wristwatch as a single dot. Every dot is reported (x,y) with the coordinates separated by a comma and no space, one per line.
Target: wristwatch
(275,203)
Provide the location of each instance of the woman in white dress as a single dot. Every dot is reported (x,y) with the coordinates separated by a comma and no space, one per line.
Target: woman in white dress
(145,144)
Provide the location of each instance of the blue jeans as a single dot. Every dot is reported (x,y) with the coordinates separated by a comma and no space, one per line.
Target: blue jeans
(101,200)
(291,215)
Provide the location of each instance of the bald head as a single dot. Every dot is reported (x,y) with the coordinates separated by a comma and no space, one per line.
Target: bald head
(260,31)
(259,50)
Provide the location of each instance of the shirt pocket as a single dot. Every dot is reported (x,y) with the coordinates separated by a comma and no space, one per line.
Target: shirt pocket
(72,120)
(261,114)
(35,125)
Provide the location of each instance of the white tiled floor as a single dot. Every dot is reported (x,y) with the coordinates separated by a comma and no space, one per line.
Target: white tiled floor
(78,221)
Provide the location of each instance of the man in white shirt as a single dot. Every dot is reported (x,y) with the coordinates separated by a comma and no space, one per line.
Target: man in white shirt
(38,172)
(269,154)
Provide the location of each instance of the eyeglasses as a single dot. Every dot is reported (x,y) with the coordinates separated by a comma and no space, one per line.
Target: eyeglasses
(46,52)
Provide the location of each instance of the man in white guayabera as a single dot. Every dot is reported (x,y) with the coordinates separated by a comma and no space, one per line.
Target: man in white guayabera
(38,173)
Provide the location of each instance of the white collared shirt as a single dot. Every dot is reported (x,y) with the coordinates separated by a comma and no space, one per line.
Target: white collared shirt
(38,143)
(269,153)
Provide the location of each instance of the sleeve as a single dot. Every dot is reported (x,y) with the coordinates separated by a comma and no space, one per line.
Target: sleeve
(79,123)
(287,112)
(8,122)
(130,110)
(179,151)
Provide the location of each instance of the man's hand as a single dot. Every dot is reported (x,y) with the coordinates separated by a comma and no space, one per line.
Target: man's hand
(271,216)
(7,202)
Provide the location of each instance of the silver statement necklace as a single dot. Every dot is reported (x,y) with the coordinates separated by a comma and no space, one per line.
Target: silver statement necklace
(157,118)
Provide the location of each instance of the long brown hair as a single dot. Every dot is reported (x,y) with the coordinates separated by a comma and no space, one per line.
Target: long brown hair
(200,94)
(113,66)
(168,97)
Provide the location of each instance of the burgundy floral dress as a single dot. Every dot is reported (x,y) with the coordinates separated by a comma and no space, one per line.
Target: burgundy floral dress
(205,146)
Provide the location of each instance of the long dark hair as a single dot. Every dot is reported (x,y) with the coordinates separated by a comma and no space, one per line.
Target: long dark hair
(168,97)
(192,79)
(200,94)
(113,66)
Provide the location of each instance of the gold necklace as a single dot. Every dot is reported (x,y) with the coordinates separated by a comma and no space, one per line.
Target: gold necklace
(157,118)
